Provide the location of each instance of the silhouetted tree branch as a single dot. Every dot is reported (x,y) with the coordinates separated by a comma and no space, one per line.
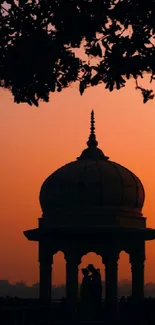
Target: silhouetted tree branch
(38,39)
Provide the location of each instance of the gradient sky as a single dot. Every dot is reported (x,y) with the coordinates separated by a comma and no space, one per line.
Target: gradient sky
(36,141)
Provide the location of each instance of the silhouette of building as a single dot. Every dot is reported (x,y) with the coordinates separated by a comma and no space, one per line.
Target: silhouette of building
(91,205)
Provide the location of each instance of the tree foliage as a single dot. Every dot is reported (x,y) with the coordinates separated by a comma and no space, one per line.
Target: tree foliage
(39,38)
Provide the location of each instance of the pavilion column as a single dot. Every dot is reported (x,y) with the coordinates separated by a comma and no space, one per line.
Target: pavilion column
(111,278)
(111,284)
(72,283)
(137,259)
(45,259)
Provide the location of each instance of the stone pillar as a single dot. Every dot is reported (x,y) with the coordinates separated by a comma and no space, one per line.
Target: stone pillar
(72,283)
(45,259)
(111,278)
(137,259)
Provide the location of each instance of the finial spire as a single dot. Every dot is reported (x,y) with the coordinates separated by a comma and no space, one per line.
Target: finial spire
(92,122)
(92,138)
(92,152)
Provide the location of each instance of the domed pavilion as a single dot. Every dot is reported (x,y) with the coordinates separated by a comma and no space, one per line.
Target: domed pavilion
(91,205)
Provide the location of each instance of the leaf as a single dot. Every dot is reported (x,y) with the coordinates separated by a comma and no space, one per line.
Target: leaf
(99,51)
(59,87)
(82,87)
(147,95)
(95,80)
(118,86)
(95,50)
(111,86)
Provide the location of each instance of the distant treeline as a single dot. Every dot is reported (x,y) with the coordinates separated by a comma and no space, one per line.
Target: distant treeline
(21,290)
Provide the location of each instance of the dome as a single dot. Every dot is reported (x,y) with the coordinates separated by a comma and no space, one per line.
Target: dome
(92,181)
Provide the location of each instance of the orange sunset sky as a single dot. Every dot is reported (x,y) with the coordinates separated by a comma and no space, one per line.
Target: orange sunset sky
(36,141)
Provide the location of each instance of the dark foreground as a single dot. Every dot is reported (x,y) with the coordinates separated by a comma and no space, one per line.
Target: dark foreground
(15,311)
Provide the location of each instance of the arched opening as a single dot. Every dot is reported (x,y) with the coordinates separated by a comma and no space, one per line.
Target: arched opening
(124,275)
(96,260)
(59,276)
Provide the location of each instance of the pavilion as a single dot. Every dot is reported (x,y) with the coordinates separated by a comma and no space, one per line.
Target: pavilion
(91,205)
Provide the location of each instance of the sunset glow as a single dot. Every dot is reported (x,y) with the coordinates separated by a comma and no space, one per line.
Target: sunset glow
(36,141)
